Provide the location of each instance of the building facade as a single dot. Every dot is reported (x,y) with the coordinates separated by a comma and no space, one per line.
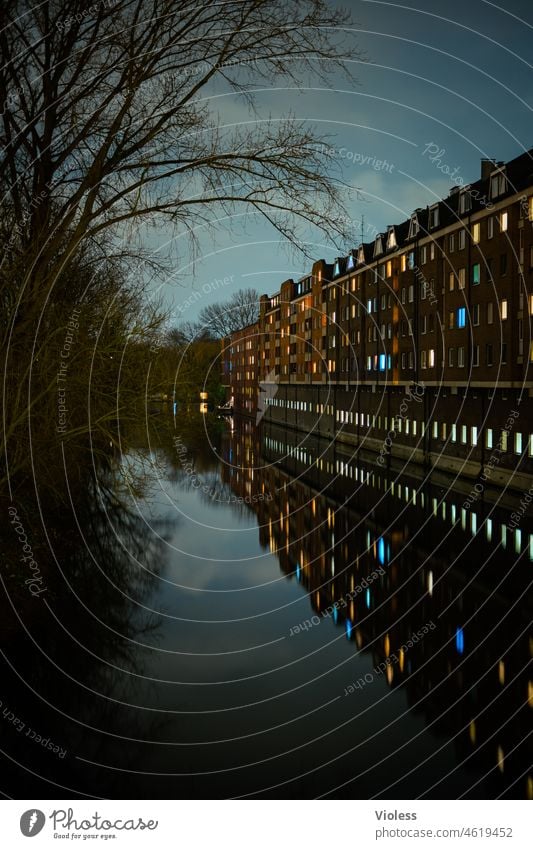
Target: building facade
(417,345)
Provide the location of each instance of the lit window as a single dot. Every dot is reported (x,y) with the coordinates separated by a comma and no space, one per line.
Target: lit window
(531,304)
(473,435)
(461,317)
(476,233)
(454,433)
(503,309)
(389,268)
(518,443)
(404,262)
(431,359)
(488,437)
(451,281)
(462,278)
(503,441)
(463,434)
(504,221)
(435,430)
(475,274)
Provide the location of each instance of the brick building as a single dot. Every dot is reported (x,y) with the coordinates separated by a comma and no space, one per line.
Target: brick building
(442,301)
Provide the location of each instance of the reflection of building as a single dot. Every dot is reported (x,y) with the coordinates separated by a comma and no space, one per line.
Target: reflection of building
(469,676)
(442,301)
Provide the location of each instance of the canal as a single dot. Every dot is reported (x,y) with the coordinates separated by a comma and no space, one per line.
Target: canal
(270,616)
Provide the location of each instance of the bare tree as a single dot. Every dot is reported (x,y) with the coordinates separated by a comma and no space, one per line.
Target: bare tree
(107,119)
(221,319)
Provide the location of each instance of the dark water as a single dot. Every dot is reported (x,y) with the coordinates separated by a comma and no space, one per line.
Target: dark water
(274,618)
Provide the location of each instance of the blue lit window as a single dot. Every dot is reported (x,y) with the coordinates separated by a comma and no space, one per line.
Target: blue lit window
(369,305)
(411,260)
(382,362)
(336,269)
(475,274)
(461,317)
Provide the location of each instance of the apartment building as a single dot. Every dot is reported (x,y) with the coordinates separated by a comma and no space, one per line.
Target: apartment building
(442,302)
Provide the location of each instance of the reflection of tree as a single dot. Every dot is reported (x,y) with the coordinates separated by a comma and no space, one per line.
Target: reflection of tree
(81,650)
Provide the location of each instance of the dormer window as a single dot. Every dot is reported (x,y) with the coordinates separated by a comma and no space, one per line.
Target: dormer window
(414,226)
(498,183)
(361,255)
(350,264)
(465,201)
(336,268)
(391,239)
(433,216)
(378,246)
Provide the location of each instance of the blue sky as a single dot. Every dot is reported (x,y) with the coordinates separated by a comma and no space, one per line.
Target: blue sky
(456,75)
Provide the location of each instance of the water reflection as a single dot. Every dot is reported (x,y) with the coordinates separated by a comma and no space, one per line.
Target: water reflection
(334,519)
(241,613)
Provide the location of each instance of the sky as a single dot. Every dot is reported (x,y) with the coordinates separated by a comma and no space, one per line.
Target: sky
(456,76)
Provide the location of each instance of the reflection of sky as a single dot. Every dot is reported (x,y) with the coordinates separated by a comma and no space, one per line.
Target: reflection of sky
(461,86)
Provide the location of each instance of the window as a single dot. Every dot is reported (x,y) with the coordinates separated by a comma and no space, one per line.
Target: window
(475,315)
(503,309)
(465,202)
(503,265)
(403,360)
(475,274)
(411,293)
(490,312)
(504,221)
(503,441)
(388,268)
(473,435)
(518,443)
(435,430)
(462,277)
(451,356)
(462,239)
(498,184)
(454,432)
(403,295)
(461,357)
(423,255)
(476,233)
(463,434)
(451,243)
(488,438)
(423,359)
(531,304)
(423,324)
(403,265)
(490,227)
(504,353)
(451,281)
(475,355)
(443,431)
(488,356)
(413,226)
(431,358)
(461,317)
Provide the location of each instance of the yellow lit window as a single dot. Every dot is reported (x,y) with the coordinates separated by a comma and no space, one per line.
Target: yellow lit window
(389,268)
(476,233)
(404,262)
(504,221)
(503,310)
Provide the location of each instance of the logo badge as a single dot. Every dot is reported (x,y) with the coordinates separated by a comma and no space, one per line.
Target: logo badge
(32,822)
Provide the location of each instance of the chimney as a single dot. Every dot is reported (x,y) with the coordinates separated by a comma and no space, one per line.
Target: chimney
(487,165)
